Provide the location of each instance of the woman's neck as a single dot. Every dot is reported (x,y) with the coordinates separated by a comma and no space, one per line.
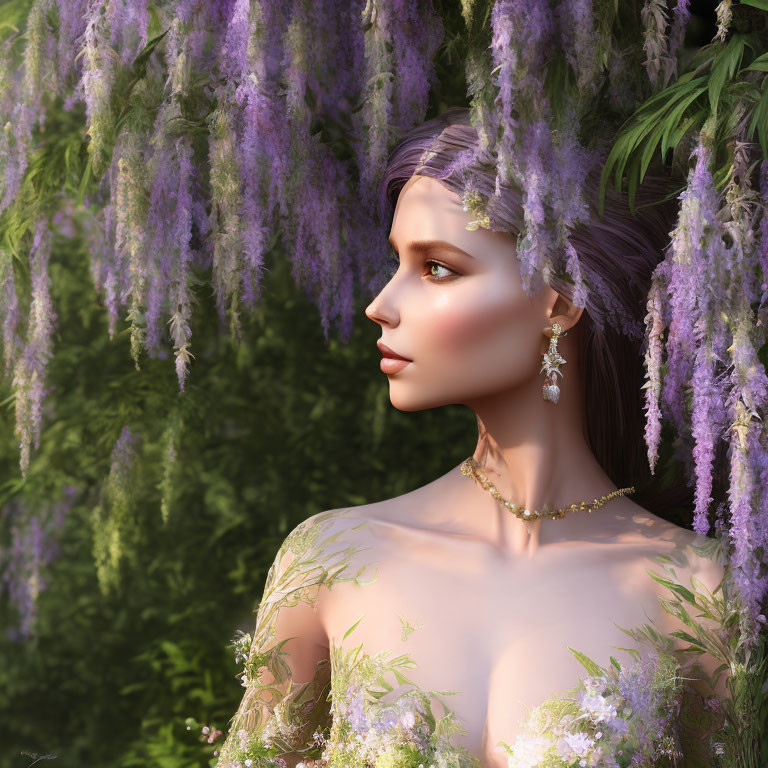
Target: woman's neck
(534,451)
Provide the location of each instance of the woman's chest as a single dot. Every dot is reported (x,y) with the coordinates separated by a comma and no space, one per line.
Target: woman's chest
(487,639)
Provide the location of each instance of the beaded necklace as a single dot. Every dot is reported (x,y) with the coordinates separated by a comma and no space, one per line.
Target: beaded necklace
(470,468)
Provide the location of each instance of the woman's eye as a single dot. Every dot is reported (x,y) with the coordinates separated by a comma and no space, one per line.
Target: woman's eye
(429,264)
(437,264)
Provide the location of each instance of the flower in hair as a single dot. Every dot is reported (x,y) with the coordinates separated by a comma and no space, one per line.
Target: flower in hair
(474,203)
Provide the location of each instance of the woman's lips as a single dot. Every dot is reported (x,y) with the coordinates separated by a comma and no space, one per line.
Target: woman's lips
(387,352)
(391,362)
(393,365)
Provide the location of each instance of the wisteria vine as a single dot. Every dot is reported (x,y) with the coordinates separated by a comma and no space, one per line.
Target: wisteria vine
(213,129)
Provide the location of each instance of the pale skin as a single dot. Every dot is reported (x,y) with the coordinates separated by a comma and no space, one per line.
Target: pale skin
(497,606)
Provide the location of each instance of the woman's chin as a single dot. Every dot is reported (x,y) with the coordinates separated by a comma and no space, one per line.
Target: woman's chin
(409,401)
(405,401)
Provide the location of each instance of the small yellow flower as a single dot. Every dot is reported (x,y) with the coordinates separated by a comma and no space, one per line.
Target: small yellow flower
(474,203)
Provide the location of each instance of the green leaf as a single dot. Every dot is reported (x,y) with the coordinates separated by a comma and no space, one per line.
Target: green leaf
(633,173)
(587,663)
(687,637)
(633,652)
(140,62)
(761,4)
(677,609)
(84,181)
(352,628)
(760,120)
(663,110)
(402,679)
(672,122)
(692,123)
(678,589)
(650,148)
(632,140)
(723,67)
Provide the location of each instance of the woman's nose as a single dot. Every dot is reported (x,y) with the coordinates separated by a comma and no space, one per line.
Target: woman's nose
(380,309)
(372,311)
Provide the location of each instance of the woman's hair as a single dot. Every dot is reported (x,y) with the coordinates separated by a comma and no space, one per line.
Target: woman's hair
(617,254)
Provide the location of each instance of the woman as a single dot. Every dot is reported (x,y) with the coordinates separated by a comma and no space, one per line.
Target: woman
(446,626)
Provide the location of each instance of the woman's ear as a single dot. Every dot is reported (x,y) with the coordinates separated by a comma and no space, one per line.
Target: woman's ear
(564,312)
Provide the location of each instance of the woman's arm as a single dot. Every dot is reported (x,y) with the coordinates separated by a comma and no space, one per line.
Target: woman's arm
(287,671)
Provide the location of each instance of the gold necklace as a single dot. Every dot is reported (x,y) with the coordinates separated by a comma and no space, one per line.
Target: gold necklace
(470,468)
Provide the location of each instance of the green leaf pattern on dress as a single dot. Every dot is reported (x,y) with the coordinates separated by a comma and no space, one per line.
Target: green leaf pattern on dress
(367,732)
(642,712)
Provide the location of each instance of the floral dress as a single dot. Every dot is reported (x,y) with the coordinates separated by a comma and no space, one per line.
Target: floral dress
(638,712)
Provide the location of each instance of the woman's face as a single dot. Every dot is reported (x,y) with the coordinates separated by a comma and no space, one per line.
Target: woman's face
(456,306)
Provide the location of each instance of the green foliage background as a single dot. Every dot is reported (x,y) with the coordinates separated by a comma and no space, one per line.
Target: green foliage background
(269,432)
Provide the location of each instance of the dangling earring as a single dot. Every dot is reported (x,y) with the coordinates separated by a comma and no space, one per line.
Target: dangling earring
(552,361)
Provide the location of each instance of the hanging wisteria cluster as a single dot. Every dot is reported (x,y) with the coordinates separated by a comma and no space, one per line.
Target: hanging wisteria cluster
(705,293)
(538,148)
(212,128)
(34,545)
(707,315)
(215,128)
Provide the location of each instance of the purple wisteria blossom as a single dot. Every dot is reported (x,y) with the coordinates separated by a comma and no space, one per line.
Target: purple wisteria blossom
(356,709)
(654,322)
(9,313)
(538,241)
(545,159)
(690,262)
(234,51)
(708,422)
(180,268)
(579,40)
(522,40)
(286,80)
(637,684)
(72,23)
(275,69)
(34,547)
(100,63)
(763,242)
(30,366)
(107,265)
(161,245)
(128,21)
(715,381)
(663,38)
(675,40)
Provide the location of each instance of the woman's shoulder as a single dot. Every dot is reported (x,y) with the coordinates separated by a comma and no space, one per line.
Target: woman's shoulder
(329,546)
(352,525)
(656,541)
(320,532)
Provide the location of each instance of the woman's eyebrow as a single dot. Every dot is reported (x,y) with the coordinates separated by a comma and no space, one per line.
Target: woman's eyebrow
(423,246)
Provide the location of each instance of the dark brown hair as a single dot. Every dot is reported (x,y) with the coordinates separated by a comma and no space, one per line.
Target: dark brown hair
(617,252)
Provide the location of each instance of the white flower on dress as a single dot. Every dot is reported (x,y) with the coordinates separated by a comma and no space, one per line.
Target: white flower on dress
(598,707)
(579,746)
(528,752)
(580,743)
